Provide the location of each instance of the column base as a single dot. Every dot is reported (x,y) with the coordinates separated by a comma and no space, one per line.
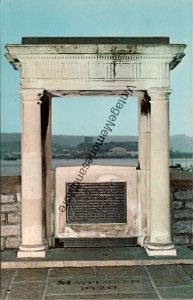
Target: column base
(32,251)
(160,250)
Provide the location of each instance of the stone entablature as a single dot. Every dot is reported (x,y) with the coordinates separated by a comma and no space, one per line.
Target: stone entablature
(106,67)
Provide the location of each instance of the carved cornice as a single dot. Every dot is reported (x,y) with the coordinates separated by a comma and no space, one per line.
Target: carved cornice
(81,57)
(171,53)
(177,59)
(13,61)
(96,49)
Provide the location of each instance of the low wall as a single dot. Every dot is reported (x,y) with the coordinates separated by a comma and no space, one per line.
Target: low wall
(181,185)
(10,212)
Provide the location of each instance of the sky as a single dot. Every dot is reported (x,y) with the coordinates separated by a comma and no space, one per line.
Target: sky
(87,115)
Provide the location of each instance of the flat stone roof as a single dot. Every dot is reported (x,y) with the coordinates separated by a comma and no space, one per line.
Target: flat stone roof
(95,40)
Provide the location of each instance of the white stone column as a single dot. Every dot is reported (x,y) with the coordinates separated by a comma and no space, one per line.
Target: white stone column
(32,227)
(160,229)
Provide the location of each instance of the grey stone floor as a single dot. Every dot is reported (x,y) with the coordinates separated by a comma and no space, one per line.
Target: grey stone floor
(109,256)
(133,282)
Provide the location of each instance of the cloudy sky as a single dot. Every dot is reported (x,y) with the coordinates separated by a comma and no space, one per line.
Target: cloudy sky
(86,115)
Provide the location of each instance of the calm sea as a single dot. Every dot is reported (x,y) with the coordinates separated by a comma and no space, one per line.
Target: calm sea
(13,168)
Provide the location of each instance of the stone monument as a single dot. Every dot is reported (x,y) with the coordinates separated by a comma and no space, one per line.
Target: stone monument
(96,66)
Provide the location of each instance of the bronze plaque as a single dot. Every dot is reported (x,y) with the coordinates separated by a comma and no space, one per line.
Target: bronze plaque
(103,202)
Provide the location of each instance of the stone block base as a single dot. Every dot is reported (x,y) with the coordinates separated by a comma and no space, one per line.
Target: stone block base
(25,254)
(32,251)
(160,251)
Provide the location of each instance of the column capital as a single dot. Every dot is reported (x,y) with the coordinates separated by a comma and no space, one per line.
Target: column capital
(139,94)
(159,93)
(31,94)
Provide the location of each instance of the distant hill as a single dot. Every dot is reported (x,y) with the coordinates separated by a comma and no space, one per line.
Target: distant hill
(10,142)
(182,143)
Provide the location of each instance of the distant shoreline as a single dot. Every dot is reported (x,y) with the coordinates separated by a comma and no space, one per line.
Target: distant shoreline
(13,168)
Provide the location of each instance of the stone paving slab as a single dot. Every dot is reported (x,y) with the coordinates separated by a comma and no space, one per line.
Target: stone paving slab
(188,269)
(26,290)
(98,271)
(168,276)
(61,272)
(87,254)
(98,285)
(134,282)
(31,275)
(3,295)
(104,296)
(121,271)
(6,277)
(89,257)
(180,292)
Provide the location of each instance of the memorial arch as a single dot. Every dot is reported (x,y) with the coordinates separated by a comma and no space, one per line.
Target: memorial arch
(61,67)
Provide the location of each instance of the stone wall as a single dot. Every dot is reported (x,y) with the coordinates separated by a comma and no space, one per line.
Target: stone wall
(10,212)
(181,209)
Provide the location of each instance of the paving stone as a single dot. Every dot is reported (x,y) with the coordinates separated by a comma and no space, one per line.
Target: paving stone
(172,281)
(97,254)
(3,295)
(56,258)
(98,285)
(121,271)
(182,292)
(6,277)
(27,290)
(168,276)
(104,296)
(98,271)
(61,272)
(112,253)
(188,269)
(31,275)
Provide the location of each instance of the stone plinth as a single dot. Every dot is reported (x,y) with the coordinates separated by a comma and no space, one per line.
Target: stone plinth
(97,174)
